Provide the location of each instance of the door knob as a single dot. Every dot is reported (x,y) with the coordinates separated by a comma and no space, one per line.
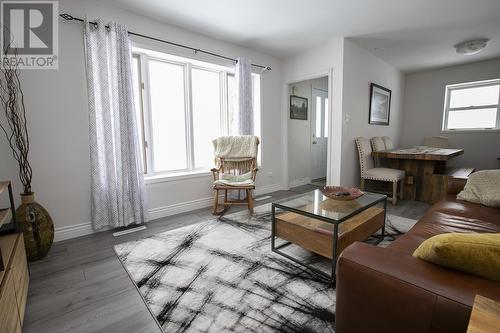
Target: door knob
(314,142)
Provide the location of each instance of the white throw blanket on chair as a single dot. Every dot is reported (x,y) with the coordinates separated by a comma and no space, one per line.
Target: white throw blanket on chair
(236,147)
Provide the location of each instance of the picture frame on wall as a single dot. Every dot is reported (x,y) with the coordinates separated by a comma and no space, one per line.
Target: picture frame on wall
(380,105)
(298,107)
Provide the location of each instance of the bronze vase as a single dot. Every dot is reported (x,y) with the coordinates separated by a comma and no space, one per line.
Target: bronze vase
(38,228)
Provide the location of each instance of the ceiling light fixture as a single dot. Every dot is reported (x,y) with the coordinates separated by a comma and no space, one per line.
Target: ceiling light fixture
(470,47)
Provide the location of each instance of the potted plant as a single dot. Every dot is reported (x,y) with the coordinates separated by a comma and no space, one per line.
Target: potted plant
(38,228)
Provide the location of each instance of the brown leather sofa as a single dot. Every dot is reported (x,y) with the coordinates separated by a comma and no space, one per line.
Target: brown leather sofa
(388,290)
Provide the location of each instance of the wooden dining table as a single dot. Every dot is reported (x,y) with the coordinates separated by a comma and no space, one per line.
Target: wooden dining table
(421,165)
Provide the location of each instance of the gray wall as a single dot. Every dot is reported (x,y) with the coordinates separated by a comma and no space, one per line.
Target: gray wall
(299,134)
(424,101)
(360,69)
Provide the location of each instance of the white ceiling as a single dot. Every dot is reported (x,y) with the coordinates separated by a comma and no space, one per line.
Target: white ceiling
(410,34)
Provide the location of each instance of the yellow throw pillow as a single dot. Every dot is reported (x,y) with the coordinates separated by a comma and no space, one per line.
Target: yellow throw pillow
(475,253)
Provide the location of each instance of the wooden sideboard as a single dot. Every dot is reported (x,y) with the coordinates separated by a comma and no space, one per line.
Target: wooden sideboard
(14,280)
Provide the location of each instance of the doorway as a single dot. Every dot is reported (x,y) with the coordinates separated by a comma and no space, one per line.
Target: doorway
(308,132)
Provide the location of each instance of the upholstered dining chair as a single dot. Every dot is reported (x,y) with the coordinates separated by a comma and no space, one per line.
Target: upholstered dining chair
(377,145)
(389,145)
(436,142)
(236,170)
(369,172)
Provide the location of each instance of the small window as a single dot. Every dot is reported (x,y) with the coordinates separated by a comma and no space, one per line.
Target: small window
(472,106)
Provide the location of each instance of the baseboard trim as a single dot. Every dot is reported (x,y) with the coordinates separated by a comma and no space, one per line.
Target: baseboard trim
(73,231)
(178,208)
(299,182)
(84,229)
(267,189)
(182,207)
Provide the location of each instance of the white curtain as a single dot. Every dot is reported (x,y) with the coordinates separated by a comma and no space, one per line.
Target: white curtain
(245,101)
(117,183)
(244,117)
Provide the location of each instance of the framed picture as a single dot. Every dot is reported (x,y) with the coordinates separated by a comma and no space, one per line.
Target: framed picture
(298,107)
(380,105)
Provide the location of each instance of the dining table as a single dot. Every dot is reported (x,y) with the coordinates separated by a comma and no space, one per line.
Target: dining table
(421,165)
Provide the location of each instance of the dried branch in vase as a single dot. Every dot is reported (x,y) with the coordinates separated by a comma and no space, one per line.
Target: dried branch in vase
(14,125)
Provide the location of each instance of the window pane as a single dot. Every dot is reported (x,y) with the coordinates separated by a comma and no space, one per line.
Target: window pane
(136,82)
(168,116)
(206,115)
(477,96)
(326,119)
(483,118)
(317,130)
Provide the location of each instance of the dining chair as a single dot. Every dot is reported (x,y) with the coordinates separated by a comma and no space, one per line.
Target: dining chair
(377,144)
(436,142)
(236,170)
(389,145)
(369,172)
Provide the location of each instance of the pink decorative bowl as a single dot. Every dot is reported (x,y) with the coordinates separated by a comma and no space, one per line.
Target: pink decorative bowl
(341,192)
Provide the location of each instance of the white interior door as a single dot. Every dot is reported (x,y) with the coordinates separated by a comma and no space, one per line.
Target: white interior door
(319,133)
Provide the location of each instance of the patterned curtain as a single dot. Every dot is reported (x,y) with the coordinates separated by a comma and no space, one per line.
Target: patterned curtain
(117,184)
(245,101)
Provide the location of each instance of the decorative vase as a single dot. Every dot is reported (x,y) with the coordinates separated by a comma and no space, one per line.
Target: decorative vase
(38,228)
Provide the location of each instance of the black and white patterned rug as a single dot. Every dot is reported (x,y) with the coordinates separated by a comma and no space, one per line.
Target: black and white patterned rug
(221,275)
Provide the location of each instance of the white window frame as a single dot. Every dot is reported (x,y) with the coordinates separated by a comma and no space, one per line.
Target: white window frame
(447,109)
(191,171)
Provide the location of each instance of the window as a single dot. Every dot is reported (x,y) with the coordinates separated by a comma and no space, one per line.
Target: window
(182,105)
(320,113)
(472,106)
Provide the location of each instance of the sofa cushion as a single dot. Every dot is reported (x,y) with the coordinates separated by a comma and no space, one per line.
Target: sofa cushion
(483,188)
(235,180)
(449,216)
(450,205)
(473,253)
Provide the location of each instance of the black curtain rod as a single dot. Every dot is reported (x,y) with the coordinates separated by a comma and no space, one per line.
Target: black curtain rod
(69,17)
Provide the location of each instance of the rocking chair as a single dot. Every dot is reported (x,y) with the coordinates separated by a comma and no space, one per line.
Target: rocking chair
(236,161)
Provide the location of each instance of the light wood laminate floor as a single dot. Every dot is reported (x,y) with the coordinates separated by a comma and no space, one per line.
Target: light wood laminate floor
(81,285)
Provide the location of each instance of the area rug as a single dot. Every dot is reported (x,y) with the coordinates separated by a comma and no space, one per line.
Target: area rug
(221,276)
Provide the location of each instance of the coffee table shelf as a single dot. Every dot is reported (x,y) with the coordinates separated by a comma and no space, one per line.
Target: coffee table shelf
(325,226)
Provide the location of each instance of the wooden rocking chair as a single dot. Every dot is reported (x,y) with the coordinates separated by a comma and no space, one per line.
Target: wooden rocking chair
(234,174)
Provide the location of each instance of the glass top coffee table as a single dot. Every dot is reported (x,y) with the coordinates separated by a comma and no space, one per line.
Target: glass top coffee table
(326,226)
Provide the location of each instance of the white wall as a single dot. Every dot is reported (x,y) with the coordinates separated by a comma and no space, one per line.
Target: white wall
(424,102)
(299,133)
(360,69)
(325,59)
(57,112)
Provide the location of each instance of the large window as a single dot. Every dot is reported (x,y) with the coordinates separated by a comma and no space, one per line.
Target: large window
(182,105)
(472,106)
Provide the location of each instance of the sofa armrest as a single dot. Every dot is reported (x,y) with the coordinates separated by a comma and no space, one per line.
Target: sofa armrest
(455,185)
(383,290)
